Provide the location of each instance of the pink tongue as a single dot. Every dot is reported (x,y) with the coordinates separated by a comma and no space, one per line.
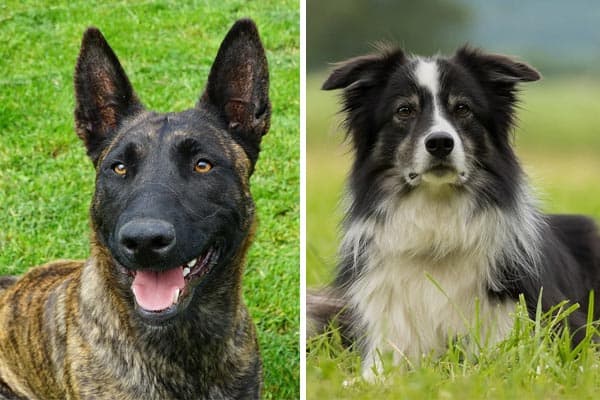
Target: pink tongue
(154,291)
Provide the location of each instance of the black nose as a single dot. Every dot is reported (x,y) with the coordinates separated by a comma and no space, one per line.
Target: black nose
(439,144)
(144,238)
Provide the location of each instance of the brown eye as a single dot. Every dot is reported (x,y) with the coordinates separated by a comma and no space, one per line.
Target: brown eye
(405,112)
(462,110)
(202,166)
(120,169)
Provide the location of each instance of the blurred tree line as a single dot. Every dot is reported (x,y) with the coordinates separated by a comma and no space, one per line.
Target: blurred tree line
(339,29)
(557,37)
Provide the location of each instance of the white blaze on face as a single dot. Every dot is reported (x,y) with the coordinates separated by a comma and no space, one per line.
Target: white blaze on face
(428,77)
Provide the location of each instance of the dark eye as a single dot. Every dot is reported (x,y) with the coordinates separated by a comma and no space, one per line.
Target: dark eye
(202,166)
(119,169)
(462,110)
(405,111)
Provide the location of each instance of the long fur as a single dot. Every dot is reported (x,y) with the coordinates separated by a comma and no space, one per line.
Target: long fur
(441,246)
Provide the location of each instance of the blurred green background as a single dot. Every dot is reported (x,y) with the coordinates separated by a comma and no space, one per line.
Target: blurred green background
(558,137)
(558,141)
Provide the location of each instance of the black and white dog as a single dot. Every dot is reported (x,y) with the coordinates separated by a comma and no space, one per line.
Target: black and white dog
(442,232)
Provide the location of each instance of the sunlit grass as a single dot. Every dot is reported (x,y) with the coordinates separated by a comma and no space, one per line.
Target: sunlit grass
(167,48)
(536,361)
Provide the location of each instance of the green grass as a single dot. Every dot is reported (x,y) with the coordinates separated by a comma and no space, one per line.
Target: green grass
(558,142)
(167,48)
(535,362)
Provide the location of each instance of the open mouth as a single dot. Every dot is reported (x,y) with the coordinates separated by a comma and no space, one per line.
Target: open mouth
(159,295)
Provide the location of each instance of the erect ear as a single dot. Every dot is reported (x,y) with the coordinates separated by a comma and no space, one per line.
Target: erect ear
(103,94)
(238,86)
(363,70)
(496,67)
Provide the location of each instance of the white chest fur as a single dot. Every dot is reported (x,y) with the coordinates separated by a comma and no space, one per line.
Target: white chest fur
(426,270)
(412,309)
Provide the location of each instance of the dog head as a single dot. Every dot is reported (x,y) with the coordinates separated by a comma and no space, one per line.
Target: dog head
(431,123)
(172,204)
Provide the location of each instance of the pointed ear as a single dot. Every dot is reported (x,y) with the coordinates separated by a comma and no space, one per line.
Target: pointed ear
(103,94)
(496,67)
(238,86)
(364,70)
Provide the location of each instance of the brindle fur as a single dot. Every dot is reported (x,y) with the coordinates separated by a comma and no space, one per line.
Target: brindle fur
(68,329)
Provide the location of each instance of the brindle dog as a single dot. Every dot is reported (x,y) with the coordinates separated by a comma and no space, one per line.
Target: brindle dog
(156,312)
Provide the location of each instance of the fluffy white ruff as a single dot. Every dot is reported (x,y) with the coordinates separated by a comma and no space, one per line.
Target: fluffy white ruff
(426,265)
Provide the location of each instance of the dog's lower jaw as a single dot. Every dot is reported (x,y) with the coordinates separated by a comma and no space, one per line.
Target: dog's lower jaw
(101,279)
(436,180)
(441,177)
(183,342)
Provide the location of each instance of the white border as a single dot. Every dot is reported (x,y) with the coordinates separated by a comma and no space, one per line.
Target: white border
(302,199)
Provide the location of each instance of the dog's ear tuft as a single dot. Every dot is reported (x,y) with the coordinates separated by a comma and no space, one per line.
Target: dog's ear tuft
(499,75)
(496,67)
(364,69)
(103,94)
(238,86)
(363,79)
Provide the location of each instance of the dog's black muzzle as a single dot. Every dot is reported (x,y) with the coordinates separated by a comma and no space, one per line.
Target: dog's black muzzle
(144,241)
(153,232)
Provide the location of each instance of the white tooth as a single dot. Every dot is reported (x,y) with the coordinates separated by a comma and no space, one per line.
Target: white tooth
(176,296)
(192,263)
(186,272)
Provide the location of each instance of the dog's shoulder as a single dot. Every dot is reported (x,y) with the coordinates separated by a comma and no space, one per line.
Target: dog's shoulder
(48,274)
(39,277)
(581,237)
(568,225)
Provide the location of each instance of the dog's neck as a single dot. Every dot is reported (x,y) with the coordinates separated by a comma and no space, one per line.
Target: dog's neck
(179,355)
(428,229)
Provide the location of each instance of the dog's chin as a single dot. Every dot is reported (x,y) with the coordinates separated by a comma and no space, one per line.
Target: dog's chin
(439,176)
(160,296)
(164,317)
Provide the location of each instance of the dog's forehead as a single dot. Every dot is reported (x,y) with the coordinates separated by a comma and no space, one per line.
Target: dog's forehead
(167,129)
(419,74)
(426,74)
(151,133)
(165,125)
(437,76)
(431,74)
